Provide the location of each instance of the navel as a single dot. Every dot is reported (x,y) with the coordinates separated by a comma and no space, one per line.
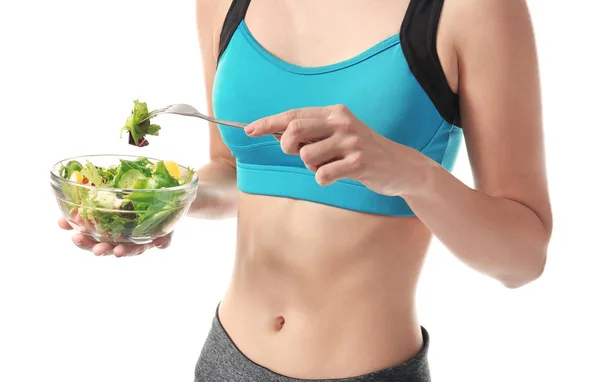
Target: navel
(279,322)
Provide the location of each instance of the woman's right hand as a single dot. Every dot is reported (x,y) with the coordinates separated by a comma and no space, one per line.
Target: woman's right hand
(103,249)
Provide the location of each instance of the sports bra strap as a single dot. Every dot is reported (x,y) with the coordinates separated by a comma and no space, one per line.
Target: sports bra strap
(235,15)
(418,37)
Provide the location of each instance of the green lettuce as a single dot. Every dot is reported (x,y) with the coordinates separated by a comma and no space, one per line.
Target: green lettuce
(142,165)
(108,174)
(93,174)
(67,170)
(162,178)
(137,129)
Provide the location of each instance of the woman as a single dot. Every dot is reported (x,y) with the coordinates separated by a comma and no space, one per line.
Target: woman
(336,215)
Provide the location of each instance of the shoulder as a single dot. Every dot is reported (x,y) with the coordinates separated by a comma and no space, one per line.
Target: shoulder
(207,8)
(210,15)
(472,23)
(484,12)
(488,37)
(210,12)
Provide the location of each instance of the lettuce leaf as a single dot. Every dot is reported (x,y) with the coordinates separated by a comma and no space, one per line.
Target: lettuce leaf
(143,165)
(67,170)
(111,223)
(108,174)
(93,174)
(138,130)
(162,178)
(152,222)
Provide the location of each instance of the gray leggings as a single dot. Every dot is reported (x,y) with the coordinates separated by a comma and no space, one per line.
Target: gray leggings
(221,361)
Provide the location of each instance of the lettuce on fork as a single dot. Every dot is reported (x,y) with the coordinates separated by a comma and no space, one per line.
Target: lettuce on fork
(136,129)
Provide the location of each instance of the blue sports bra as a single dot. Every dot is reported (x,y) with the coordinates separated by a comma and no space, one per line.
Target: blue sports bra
(396,87)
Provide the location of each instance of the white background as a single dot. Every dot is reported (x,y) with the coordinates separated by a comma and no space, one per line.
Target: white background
(69,71)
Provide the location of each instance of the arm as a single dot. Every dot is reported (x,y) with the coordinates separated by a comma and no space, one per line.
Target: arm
(501,228)
(217,191)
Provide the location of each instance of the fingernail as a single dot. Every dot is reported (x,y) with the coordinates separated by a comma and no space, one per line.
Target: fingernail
(249,129)
(78,243)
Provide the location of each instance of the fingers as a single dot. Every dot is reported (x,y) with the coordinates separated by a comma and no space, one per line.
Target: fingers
(83,242)
(334,148)
(75,220)
(87,244)
(163,242)
(125,250)
(103,249)
(64,224)
(301,131)
(319,153)
(279,122)
(340,169)
(122,250)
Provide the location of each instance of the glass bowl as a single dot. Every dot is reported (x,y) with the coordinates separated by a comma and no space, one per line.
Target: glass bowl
(120,215)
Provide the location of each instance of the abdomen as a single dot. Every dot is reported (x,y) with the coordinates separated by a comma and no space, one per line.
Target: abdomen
(320,292)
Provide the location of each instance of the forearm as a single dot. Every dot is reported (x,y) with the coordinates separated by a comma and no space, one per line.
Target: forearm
(496,236)
(217,192)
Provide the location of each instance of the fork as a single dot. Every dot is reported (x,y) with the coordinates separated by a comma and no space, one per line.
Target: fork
(190,111)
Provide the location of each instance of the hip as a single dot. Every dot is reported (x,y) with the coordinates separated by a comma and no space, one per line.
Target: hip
(332,335)
(223,360)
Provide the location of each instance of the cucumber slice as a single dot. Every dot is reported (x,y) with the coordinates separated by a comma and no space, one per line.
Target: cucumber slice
(130,178)
(142,184)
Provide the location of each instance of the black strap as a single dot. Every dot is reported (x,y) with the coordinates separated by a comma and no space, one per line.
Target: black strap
(235,15)
(418,37)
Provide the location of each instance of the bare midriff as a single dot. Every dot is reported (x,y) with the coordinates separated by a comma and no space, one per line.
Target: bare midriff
(320,292)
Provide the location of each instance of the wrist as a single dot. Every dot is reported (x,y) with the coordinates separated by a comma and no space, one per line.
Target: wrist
(420,175)
(213,202)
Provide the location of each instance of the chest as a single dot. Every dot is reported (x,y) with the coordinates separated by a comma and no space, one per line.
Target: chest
(376,85)
(270,66)
(317,32)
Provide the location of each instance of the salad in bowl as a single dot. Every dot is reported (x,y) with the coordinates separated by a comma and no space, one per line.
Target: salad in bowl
(123,199)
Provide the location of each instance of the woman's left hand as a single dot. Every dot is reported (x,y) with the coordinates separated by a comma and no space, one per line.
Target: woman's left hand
(335,144)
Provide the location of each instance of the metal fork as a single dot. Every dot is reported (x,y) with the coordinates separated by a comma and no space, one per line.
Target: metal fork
(190,111)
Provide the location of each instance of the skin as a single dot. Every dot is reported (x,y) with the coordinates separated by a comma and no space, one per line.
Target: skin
(330,293)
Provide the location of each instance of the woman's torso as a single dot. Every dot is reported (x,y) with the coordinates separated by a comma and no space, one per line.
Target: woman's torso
(319,291)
